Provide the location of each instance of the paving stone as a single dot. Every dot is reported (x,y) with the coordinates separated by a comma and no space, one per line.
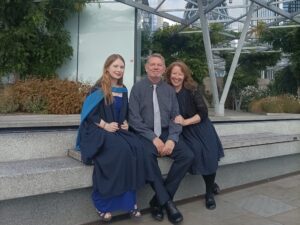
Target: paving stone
(264,206)
(249,219)
(288,218)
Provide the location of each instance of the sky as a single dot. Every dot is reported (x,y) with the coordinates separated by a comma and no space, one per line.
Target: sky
(180,4)
(170,4)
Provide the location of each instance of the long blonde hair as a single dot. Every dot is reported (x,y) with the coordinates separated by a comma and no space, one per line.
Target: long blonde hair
(105,81)
(188,81)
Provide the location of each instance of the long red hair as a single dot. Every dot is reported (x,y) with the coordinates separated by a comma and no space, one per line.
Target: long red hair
(188,81)
(105,81)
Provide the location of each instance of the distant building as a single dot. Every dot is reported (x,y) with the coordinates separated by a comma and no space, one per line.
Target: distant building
(293,6)
(264,13)
(290,6)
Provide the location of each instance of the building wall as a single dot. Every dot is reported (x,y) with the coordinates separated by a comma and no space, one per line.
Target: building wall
(99,30)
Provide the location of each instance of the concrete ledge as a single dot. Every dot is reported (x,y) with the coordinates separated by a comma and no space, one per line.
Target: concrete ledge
(224,127)
(18,121)
(245,154)
(50,175)
(262,138)
(243,148)
(13,121)
(17,146)
(36,189)
(75,206)
(42,142)
(40,176)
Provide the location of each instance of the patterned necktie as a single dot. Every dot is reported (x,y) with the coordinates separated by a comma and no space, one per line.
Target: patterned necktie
(157,121)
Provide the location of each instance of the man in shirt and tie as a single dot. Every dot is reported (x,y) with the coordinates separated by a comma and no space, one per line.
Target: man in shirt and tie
(152,108)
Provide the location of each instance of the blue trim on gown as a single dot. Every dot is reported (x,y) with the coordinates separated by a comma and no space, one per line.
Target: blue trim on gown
(90,103)
(122,202)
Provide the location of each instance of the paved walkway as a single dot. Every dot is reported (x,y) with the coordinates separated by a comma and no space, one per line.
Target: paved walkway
(271,203)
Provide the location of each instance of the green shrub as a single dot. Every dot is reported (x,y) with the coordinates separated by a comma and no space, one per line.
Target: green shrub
(276,104)
(250,93)
(35,104)
(7,102)
(292,105)
(51,96)
(272,105)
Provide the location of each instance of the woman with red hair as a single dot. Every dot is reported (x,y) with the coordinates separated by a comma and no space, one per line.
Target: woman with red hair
(198,131)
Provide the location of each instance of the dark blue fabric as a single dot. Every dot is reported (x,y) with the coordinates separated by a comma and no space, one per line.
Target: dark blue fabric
(123,202)
(117,107)
(202,137)
(90,103)
(118,158)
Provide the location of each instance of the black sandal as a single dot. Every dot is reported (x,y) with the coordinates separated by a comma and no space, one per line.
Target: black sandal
(135,213)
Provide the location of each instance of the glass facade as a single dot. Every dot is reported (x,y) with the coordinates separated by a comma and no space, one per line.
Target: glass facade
(293,6)
(100,30)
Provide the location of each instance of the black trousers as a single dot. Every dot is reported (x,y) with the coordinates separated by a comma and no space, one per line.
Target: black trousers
(183,158)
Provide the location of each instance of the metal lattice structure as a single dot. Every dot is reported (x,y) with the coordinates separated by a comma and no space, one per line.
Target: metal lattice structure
(201,13)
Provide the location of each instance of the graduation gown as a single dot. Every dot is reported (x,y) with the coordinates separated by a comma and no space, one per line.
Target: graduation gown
(117,156)
(201,137)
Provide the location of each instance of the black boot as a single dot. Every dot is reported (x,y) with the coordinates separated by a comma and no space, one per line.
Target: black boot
(156,209)
(174,215)
(216,189)
(210,202)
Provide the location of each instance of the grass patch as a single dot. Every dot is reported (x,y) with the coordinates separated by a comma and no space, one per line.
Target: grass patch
(276,104)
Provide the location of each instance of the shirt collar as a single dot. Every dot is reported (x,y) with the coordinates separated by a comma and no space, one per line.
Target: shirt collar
(151,84)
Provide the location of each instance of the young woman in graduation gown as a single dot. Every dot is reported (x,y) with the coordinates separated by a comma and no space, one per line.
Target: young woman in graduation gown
(104,141)
(198,130)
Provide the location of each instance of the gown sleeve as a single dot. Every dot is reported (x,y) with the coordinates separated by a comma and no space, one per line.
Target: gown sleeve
(92,136)
(200,105)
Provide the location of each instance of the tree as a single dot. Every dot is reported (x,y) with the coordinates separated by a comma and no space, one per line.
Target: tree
(248,71)
(179,46)
(287,40)
(259,30)
(33,41)
(295,58)
(284,82)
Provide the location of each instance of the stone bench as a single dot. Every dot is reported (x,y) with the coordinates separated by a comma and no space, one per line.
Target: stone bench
(39,179)
(57,174)
(241,148)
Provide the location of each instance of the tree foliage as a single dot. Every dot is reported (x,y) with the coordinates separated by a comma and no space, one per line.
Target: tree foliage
(33,41)
(247,72)
(287,40)
(215,36)
(280,39)
(284,82)
(179,46)
(249,67)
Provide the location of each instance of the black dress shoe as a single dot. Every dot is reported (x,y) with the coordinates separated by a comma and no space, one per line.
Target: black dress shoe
(210,202)
(216,189)
(156,210)
(174,215)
